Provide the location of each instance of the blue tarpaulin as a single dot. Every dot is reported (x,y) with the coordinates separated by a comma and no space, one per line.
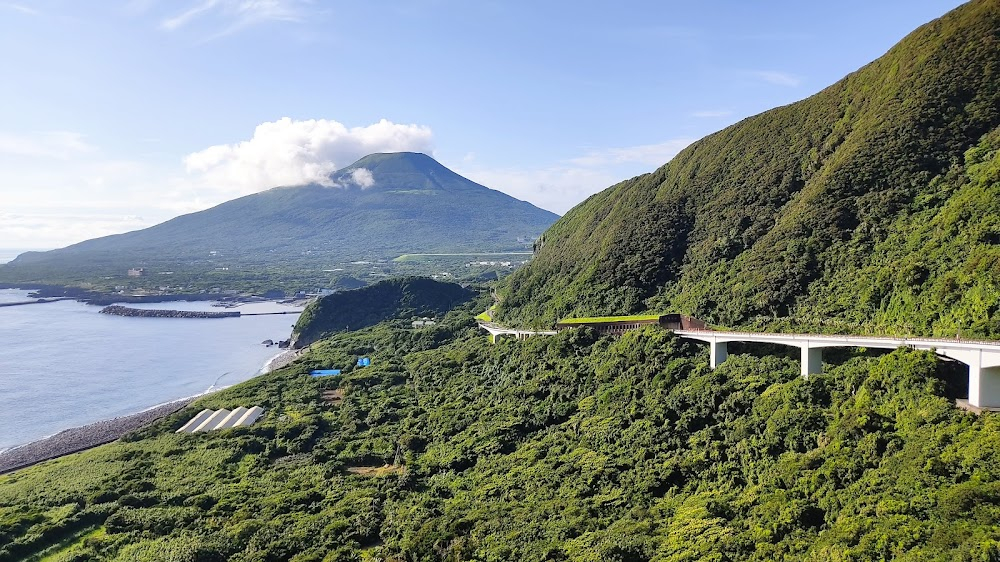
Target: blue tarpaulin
(364,362)
(325,372)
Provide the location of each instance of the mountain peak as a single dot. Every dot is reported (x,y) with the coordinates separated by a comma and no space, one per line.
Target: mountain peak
(381,206)
(415,159)
(395,171)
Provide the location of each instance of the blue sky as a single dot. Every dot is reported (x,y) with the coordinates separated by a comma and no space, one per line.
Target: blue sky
(116,115)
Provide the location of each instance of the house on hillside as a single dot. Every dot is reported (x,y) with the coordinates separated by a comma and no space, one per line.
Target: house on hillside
(618,325)
(423,322)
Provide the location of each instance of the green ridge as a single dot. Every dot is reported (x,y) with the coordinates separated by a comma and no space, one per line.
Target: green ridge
(870,207)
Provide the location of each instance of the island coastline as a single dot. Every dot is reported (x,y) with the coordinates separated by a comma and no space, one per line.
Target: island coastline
(85,437)
(82,438)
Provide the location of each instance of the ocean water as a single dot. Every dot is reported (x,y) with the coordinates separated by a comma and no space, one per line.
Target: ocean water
(62,364)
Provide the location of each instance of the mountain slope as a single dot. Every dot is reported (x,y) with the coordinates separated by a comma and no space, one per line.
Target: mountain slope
(379,207)
(872,205)
(566,448)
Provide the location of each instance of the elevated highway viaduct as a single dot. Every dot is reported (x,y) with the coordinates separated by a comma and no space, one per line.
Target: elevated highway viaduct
(982,357)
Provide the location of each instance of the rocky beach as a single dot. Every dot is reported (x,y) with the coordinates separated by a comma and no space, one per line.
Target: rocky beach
(281,360)
(88,436)
(85,437)
(72,367)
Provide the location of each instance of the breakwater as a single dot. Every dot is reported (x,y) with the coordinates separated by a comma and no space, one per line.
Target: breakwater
(35,301)
(150,313)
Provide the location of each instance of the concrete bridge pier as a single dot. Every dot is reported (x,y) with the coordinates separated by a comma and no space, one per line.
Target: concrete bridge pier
(718,352)
(984,386)
(812,361)
(982,357)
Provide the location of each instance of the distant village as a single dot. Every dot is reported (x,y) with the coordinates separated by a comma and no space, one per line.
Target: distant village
(363,270)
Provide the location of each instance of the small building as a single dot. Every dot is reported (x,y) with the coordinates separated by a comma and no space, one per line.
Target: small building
(618,325)
(423,322)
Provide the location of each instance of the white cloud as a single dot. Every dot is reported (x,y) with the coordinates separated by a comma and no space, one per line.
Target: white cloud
(56,229)
(69,190)
(555,188)
(712,114)
(52,144)
(560,187)
(229,16)
(363,178)
(59,189)
(187,16)
(20,8)
(778,78)
(651,154)
(287,152)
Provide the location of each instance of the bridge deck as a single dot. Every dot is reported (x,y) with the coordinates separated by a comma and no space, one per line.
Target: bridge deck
(982,357)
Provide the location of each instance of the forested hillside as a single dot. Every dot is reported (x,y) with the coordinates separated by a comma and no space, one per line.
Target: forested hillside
(872,206)
(567,447)
(367,306)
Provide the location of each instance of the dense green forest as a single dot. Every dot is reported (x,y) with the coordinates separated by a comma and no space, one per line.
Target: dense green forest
(367,306)
(570,447)
(870,207)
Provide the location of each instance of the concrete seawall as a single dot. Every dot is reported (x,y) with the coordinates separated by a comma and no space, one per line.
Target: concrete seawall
(35,301)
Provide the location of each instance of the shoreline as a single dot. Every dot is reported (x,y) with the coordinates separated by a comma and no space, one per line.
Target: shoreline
(102,298)
(85,437)
(280,360)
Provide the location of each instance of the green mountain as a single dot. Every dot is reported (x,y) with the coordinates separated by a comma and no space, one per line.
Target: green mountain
(379,207)
(367,306)
(873,205)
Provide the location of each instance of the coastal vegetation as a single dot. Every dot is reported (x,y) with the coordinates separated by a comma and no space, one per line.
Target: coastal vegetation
(569,447)
(393,298)
(870,207)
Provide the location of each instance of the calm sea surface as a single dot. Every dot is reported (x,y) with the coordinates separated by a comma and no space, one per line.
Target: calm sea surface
(63,365)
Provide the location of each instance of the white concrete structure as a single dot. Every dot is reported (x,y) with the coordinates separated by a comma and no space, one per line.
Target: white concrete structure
(497,331)
(232,418)
(195,421)
(209,420)
(250,416)
(212,421)
(982,357)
